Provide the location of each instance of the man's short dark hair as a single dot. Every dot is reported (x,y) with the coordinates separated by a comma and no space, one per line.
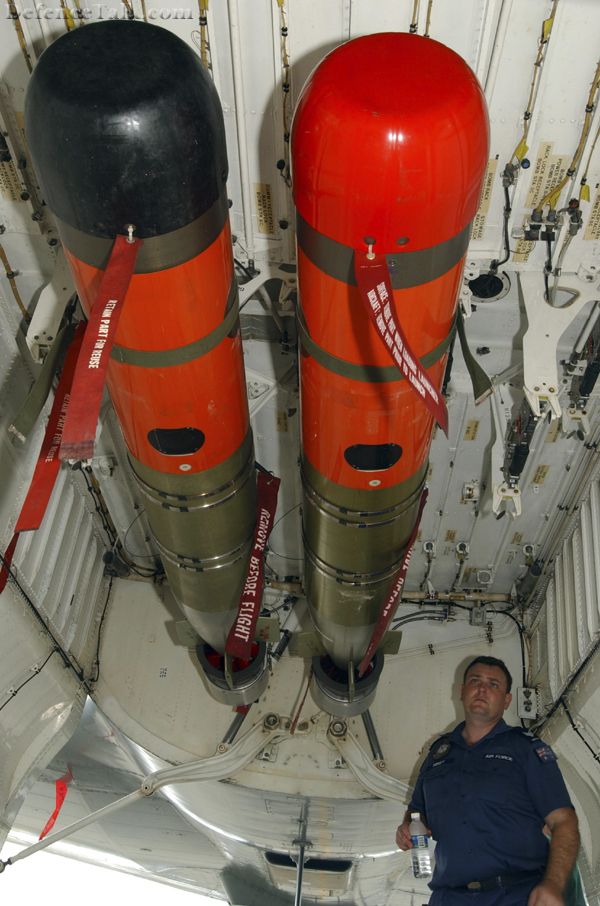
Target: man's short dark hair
(491,662)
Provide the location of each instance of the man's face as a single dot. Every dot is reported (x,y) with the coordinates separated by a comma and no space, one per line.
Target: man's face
(484,693)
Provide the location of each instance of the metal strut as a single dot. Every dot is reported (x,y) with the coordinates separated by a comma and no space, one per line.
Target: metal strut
(301,843)
(368,775)
(229,761)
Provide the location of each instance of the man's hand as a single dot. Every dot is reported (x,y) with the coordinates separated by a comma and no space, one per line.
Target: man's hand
(564,843)
(546,894)
(403,840)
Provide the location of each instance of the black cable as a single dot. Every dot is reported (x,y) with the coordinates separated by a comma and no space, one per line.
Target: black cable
(104,610)
(100,509)
(418,615)
(506,215)
(547,269)
(128,529)
(287,512)
(521,634)
(284,556)
(249,274)
(596,755)
(427,572)
(595,648)
(29,678)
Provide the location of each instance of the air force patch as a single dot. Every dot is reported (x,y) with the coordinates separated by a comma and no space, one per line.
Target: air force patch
(441,750)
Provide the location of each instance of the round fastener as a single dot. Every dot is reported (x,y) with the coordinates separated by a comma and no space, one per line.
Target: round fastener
(337,728)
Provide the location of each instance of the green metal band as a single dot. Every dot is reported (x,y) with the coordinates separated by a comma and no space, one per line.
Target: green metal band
(407,269)
(165,358)
(374,374)
(158,252)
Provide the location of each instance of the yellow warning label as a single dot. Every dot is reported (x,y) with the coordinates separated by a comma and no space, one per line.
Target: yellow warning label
(451,535)
(517,538)
(548,171)
(471,429)
(541,473)
(592,227)
(522,250)
(10,184)
(282,421)
(264,207)
(484,200)
(554,430)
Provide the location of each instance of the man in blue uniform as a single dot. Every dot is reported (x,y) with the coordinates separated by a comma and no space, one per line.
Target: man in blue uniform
(486,790)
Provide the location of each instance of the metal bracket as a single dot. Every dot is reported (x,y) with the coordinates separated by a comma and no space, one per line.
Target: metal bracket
(361,764)
(545,326)
(576,420)
(269,271)
(504,497)
(50,308)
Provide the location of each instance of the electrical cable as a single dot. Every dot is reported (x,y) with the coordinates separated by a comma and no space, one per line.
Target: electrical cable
(277,521)
(428,19)
(126,549)
(521,633)
(552,196)
(99,506)
(595,755)
(547,269)
(417,616)
(99,640)
(506,217)
(283,165)
(414,22)
(205,53)
(287,512)
(522,148)
(15,16)
(584,191)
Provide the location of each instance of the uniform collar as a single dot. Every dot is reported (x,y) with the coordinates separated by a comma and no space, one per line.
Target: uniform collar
(497,729)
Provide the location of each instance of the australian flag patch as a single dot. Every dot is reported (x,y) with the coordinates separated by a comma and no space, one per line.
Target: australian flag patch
(545,753)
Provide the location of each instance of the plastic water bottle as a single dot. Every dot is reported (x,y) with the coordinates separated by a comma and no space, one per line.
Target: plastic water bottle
(421,857)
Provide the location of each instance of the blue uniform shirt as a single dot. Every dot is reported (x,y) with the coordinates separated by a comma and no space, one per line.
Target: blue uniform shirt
(486,803)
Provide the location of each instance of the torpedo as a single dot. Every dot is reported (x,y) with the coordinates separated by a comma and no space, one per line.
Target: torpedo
(389,149)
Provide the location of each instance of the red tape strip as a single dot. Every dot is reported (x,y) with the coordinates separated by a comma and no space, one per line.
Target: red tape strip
(7,560)
(393,599)
(241,634)
(374,284)
(79,431)
(48,464)
(62,786)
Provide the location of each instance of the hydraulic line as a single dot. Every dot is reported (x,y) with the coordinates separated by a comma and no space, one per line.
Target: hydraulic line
(552,196)
(584,191)
(372,735)
(204,37)
(15,16)
(414,22)
(522,147)
(10,276)
(428,19)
